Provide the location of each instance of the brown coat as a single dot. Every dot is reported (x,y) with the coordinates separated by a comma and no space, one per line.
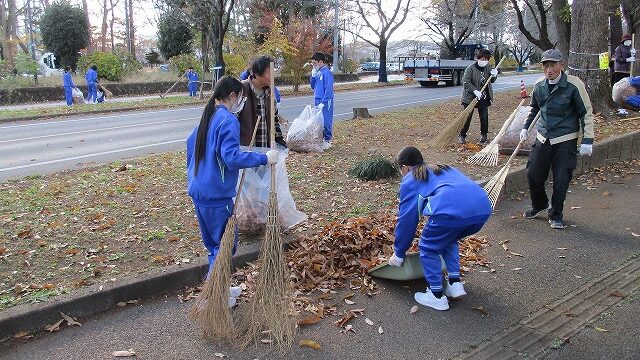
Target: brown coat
(249,116)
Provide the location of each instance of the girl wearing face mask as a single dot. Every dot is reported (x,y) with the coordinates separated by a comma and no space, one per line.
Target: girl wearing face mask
(623,57)
(475,75)
(213,162)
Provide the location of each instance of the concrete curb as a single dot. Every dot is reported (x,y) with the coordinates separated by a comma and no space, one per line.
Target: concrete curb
(92,301)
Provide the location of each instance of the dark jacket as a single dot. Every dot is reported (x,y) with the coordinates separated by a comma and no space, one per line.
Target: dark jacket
(564,110)
(249,116)
(620,59)
(471,81)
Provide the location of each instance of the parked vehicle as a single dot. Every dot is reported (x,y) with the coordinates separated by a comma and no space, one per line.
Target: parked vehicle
(430,72)
(370,66)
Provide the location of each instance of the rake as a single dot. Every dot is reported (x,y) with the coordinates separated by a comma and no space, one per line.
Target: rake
(496,183)
(268,310)
(448,134)
(211,310)
(488,156)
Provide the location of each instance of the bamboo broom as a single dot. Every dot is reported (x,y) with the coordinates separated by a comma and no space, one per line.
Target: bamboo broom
(495,184)
(268,313)
(448,134)
(108,93)
(172,86)
(211,310)
(488,156)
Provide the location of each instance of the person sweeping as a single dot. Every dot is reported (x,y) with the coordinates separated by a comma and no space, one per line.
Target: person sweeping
(213,162)
(457,207)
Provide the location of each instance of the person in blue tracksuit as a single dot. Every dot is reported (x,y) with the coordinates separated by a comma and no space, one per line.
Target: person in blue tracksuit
(92,82)
(457,207)
(322,85)
(245,75)
(192,77)
(213,162)
(67,82)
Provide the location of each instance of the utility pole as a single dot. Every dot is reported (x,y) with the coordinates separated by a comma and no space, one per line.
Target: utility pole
(335,37)
(127,36)
(32,44)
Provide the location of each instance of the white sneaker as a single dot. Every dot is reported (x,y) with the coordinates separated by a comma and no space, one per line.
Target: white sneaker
(326,145)
(235,291)
(429,300)
(455,290)
(232,302)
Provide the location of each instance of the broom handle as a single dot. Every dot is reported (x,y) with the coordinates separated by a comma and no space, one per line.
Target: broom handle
(486,83)
(506,124)
(633,44)
(272,118)
(473,102)
(244,171)
(172,86)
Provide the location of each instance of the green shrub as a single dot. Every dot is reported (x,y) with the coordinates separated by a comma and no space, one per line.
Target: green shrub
(109,65)
(180,64)
(349,66)
(374,169)
(25,65)
(509,63)
(5,69)
(129,62)
(234,64)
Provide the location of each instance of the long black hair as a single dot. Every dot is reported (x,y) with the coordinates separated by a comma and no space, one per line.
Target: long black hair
(223,89)
(412,157)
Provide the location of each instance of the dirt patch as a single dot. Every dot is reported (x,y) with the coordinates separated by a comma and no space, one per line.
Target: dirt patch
(72,229)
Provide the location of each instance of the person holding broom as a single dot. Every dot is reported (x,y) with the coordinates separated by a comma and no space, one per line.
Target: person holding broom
(192,78)
(564,107)
(213,162)
(457,207)
(475,76)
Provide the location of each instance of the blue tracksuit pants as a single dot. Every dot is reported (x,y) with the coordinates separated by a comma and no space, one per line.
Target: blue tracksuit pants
(437,240)
(193,88)
(68,95)
(212,222)
(327,115)
(92,93)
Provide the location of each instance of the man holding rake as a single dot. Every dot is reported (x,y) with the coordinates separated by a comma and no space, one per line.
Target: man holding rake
(564,108)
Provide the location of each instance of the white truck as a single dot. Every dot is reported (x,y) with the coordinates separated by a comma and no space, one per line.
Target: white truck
(429,72)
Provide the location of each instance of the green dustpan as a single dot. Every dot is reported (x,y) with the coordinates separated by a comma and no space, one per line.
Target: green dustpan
(411,269)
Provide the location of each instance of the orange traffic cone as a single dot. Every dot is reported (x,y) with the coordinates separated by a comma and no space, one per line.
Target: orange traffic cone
(523,90)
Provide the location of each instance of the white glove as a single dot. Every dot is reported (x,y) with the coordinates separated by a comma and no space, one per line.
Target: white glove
(320,106)
(395,261)
(478,94)
(278,106)
(633,52)
(494,72)
(586,149)
(523,135)
(314,72)
(631,59)
(272,156)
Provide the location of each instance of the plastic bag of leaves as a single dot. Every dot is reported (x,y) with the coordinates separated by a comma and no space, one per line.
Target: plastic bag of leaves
(305,133)
(375,168)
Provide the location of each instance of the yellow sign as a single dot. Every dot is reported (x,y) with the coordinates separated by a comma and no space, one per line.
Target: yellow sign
(604,61)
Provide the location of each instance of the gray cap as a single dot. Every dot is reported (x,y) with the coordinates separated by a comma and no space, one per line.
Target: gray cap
(551,55)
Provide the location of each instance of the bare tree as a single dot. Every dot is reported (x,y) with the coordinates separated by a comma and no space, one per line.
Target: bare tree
(372,14)
(561,15)
(451,22)
(589,37)
(86,15)
(132,30)
(538,10)
(220,17)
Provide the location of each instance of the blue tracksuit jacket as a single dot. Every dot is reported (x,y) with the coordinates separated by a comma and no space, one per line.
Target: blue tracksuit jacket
(450,197)
(215,184)
(67,83)
(322,85)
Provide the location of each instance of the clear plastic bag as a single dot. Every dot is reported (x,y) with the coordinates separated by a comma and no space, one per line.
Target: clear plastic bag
(306,132)
(253,205)
(511,136)
(77,96)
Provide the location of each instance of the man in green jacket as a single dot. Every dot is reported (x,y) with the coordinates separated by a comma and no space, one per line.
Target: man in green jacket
(564,108)
(475,75)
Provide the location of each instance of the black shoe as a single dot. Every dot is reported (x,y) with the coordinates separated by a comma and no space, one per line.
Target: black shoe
(483,139)
(557,224)
(533,213)
(462,139)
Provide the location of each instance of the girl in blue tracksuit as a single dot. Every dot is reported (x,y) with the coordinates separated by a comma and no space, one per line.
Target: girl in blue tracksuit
(192,77)
(457,207)
(67,82)
(92,82)
(322,85)
(214,159)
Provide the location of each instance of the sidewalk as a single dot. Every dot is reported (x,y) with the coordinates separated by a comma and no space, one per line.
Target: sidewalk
(539,266)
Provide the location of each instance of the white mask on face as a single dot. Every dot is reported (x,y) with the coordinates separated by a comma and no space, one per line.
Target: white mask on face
(238,105)
(627,43)
(483,63)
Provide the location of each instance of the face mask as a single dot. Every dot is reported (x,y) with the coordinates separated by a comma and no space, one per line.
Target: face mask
(483,63)
(627,43)
(316,67)
(238,105)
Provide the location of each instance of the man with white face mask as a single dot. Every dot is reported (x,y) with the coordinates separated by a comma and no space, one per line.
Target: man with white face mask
(475,75)
(623,57)
(564,108)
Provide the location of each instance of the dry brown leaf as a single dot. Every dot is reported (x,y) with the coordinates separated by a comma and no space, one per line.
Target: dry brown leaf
(348,316)
(414,309)
(349,302)
(515,253)
(309,320)
(606,193)
(618,293)
(600,329)
(24,234)
(309,343)
(124,353)
(380,331)
(368,321)
(69,319)
(634,234)
(266,341)
(575,207)
(219,355)
(516,269)
(122,303)
(54,327)
(22,335)
(3,250)
(481,309)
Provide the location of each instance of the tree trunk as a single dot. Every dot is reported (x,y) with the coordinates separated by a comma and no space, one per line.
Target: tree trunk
(205,50)
(2,30)
(382,71)
(563,28)
(132,37)
(105,26)
(86,15)
(113,19)
(615,26)
(10,33)
(589,27)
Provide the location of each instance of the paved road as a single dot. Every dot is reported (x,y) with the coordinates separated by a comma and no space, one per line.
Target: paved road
(552,265)
(47,146)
